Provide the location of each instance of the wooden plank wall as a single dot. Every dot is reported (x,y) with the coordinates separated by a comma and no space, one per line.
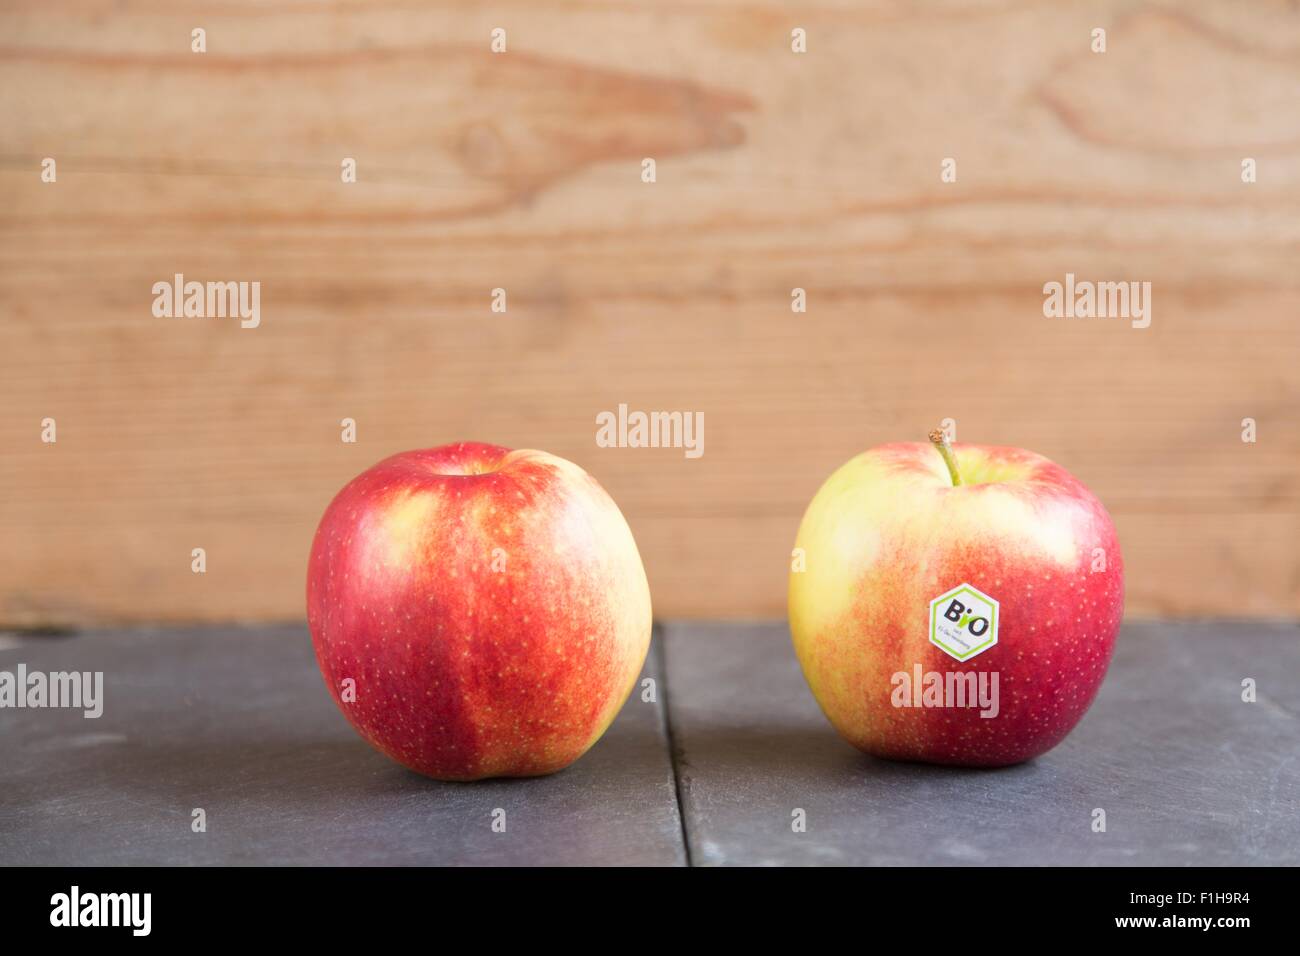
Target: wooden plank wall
(522,170)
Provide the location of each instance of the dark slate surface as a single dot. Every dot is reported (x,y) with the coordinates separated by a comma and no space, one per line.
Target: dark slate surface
(1186,772)
(237,721)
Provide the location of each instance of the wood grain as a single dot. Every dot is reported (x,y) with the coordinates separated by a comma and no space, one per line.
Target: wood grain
(522,171)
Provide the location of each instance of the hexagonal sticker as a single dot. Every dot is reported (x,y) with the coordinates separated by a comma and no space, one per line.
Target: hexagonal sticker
(963,622)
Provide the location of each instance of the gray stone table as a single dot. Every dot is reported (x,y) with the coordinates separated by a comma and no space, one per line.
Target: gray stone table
(1186,772)
(237,722)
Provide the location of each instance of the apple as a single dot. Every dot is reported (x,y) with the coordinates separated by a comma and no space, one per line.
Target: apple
(955,604)
(476,611)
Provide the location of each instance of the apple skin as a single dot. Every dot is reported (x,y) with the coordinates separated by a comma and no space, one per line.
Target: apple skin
(468,661)
(888,532)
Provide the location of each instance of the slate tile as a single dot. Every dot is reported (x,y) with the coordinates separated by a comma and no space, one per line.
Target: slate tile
(1186,772)
(236,721)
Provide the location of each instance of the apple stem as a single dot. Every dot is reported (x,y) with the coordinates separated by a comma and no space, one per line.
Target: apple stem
(940,441)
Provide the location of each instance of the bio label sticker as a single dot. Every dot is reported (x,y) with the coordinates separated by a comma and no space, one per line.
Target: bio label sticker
(963,622)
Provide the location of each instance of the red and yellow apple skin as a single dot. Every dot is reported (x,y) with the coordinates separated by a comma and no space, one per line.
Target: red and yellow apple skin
(889,532)
(489,606)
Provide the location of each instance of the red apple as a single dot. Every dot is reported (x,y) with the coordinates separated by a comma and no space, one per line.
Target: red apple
(476,611)
(955,605)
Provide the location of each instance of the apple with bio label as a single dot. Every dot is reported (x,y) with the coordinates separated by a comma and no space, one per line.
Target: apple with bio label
(955,604)
(476,611)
